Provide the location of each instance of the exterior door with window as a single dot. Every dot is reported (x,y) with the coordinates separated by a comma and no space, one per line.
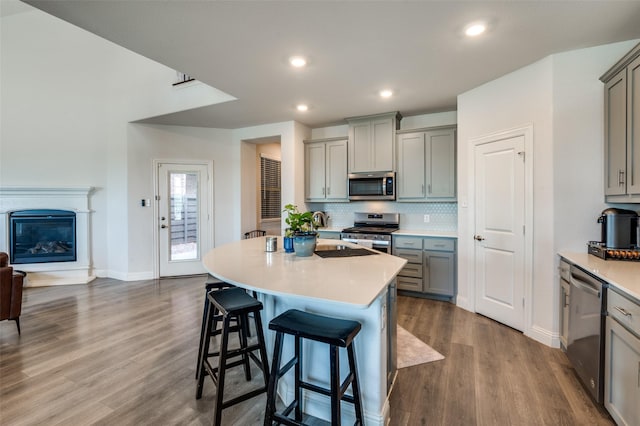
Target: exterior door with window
(184,212)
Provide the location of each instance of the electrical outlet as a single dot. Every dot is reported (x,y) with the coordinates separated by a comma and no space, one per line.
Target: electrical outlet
(427,218)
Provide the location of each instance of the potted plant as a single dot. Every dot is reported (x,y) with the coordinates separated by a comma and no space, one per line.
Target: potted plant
(300,229)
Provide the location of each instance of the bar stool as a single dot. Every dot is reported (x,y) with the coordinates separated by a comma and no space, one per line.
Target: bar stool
(212,284)
(232,303)
(336,333)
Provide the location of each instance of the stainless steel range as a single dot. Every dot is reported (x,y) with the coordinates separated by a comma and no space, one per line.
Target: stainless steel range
(372,230)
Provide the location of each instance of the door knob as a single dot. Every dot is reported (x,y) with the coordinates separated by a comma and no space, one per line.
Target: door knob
(478,237)
(163,226)
(163,218)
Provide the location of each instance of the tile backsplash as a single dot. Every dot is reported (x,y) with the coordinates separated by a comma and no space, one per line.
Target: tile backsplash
(442,216)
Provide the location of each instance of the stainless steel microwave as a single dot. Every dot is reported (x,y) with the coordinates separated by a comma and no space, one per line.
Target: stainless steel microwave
(372,186)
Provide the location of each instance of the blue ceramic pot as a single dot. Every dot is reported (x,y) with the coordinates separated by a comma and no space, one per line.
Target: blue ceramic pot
(288,244)
(304,243)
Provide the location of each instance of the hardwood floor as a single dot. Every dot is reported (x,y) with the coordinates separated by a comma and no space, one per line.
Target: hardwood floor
(124,353)
(491,375)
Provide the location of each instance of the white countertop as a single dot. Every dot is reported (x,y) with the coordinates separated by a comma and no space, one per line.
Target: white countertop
(622,274)
(356,281)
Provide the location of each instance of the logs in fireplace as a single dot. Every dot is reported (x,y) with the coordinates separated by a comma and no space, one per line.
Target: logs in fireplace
(42,236)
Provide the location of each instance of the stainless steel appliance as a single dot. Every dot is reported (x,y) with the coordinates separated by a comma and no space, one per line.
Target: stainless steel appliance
(620,236)
(619,228)
(372,230)
(599,249)
(372,186)
(585,345)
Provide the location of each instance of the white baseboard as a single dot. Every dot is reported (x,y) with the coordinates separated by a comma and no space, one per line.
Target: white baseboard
(127,276)
(544,336)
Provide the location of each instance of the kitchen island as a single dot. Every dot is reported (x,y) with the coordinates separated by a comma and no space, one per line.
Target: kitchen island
(360,288)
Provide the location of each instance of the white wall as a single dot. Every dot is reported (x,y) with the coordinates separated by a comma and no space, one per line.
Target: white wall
(578,104)
(562,98)
(153,142)
(66,98)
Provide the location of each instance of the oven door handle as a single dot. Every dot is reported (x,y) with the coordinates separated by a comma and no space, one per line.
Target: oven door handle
(367,243)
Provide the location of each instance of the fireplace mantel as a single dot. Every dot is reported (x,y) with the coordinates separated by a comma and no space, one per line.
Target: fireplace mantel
(75,199)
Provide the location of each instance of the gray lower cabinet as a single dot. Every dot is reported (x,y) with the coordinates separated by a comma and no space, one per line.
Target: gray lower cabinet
(431,265)
(622,359)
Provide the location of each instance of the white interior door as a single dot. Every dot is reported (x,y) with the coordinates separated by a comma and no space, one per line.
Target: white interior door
(499,229)
(184,225)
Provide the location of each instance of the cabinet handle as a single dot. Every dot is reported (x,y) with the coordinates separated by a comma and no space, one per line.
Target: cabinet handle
(566,300)
(620,177)
(422,189)
(639,374)
(429,188)
(323,191)
(622,311)
(328,190)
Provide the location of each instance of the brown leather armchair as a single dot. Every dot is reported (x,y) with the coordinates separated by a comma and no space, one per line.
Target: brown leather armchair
(10,291)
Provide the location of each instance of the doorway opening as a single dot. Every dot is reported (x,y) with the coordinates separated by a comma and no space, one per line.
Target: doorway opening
(261,185)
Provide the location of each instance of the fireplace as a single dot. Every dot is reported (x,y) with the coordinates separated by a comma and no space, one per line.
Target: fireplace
(65,258)
(42,236)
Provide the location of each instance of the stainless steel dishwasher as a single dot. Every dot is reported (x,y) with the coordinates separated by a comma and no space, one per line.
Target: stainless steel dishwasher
(585,347)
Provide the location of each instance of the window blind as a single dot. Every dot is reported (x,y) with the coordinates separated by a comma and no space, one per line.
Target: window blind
(270,188)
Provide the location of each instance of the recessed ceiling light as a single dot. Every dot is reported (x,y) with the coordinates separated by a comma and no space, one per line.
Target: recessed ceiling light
(475,29)
(302,107)
(297,61)
(386,93)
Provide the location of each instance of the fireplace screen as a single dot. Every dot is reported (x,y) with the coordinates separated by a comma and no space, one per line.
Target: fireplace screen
(41,236)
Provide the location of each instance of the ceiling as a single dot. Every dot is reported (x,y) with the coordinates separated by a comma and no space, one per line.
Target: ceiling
(354,49)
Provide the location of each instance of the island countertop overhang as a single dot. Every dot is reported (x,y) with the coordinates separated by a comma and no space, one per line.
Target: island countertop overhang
(353,281)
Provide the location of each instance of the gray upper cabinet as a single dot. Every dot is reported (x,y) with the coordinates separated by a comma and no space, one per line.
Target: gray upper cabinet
(622,130)
(427,165)
(325,170)
(371,143)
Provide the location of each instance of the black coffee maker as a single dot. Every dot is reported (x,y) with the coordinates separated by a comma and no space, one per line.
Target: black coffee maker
(619,228)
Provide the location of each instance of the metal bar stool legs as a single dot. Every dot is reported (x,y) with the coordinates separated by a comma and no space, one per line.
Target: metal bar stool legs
(334,332)
(232,304)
